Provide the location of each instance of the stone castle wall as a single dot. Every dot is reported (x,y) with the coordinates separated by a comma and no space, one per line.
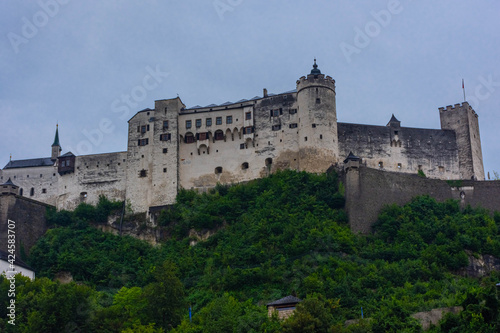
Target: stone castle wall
(369,190)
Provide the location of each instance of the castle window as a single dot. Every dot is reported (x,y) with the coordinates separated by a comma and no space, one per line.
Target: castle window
(380,164)
(189,138)
(165,150)
(229,119)
(399,165)
(244,166)
(208,122)
(165,137)
(143,129)
(27,176)
(164,169)
(44,190)
(165,124)
(188,123)
(165,110)
(198,123)
(218,170)
(218,121)
(242,146)
(138,129)
(83,195)
(32,192)
(441,169)
(269,162)
(294,125)
(275,113)
(41,176)
(202,136)
(321,136)
(248,115)
(143,142)
(396,132)
(313,125)
(305,138)
(276,127)
(143,173)
(248,130)
(318,100)
(219,135)
(21,192)
(293,111)
(420,167)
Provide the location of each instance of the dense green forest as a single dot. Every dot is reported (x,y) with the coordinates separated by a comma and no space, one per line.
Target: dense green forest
(272,237)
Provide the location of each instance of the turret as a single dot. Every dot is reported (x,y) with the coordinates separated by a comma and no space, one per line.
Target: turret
(318,139)
(462,119)
(56,147)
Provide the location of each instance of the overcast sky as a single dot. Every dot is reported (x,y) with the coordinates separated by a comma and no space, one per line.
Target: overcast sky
(90,65)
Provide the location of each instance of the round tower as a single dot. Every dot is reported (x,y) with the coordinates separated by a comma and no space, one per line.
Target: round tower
(318,139)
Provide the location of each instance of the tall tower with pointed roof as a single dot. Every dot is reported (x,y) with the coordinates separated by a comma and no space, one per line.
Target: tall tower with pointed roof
(318,139)
(56,147)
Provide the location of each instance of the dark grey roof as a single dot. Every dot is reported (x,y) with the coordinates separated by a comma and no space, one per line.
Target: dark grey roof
(9,182)
(18,262)
(211,105)
(393,119)
(351,157)
(67,154)
(227,103)
(196,107)
(242,100)
(256,97)
(286,300)
(34,162)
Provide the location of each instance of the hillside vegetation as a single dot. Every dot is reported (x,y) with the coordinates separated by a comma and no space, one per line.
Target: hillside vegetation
(285,234)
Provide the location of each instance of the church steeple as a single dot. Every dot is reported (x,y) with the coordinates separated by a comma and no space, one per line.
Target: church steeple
(56,146)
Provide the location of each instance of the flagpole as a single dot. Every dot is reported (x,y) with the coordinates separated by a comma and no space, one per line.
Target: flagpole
(463,88)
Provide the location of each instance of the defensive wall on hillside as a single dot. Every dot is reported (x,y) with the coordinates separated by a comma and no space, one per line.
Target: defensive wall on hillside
(368,190)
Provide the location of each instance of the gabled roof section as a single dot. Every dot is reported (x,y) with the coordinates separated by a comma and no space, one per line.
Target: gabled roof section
(9,182)
(351,157)
(286,300)
(394,121)
(67,154)
(31,163)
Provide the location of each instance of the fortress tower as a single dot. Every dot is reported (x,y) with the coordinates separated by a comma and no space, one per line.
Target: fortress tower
(318,139)
(462,119)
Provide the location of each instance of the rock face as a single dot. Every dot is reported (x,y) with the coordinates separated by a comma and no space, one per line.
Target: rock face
(434,316)
(480,266)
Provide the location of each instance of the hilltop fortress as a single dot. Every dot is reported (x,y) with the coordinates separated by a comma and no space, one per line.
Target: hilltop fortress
(172,146)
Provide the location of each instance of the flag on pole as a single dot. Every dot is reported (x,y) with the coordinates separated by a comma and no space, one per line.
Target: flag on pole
(463,88)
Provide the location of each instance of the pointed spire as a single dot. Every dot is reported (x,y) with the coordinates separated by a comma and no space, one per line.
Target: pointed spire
(56,139)
(315,69)
(394,122)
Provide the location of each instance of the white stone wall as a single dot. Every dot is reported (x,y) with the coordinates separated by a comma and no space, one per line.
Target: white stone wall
(5,267)
(95,175)
(43,181)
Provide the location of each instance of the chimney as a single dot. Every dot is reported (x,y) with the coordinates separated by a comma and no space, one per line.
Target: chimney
(265,92)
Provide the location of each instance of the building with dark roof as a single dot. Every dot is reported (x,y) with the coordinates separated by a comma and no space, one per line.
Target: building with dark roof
(171,146)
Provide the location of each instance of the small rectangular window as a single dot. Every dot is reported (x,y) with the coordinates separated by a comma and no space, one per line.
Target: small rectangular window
(248,130)
(318,100)
(209,122)
(276,113)
(248,115)
(198,123)
(188,123)
(44,190)
(276,127)
(138,129)
(229,119)
(165,137)
(165,124)
(218,121)
(242,146)
(164,169)
(293,111)
(143,129)
(147,127)
(143,142)
(143,173)
(294,125)
(202,136)
(165,150)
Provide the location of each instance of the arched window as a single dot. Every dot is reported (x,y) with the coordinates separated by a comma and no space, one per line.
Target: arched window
(32,191)
(219,135)
(21,191)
